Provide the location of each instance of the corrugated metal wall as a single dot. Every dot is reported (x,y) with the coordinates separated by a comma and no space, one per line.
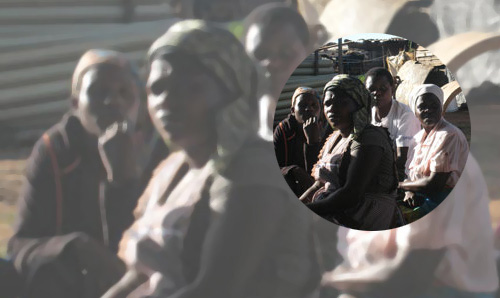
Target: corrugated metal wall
(40,43)
(308,74)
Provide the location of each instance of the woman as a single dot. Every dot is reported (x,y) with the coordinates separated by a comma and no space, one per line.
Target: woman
(439,156)
(298,139)
(395,116)
(355,177)
(277,38)
(82,184)
(194,238)
(448,253)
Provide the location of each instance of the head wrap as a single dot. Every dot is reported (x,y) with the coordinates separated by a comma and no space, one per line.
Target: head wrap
(305,90)
(100,56)
(355,89)
(423,89)
(222,54)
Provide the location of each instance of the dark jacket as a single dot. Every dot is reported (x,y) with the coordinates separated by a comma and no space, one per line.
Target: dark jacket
(291,147)
(68,212)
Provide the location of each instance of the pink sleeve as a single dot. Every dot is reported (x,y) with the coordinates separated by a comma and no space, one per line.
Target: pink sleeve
(449,154)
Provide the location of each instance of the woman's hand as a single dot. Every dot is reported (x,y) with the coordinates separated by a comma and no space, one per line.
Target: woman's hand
(412,199)
(312,130)
(409,199)
(326,175)
(308,194)
(117,151)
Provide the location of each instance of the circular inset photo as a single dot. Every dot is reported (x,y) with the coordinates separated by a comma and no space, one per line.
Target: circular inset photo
(372,132)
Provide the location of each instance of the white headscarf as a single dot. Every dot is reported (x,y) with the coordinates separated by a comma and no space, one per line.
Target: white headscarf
(423,89)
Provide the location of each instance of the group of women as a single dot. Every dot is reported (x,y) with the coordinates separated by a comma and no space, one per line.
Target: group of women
(214,218)
(85,230)
(380,150)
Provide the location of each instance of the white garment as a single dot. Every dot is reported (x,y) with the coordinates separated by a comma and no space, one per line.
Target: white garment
(267,108)
(402,124)
(165,223)
(461,225)
(424,89)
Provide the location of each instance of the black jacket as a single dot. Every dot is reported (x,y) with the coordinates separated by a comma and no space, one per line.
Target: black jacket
(291,147)
(66,203)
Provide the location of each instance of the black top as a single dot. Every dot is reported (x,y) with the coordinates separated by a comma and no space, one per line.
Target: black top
(291,147)
(88,203)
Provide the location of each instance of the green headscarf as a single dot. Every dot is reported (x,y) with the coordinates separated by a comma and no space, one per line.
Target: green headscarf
(355,89)
(223,55)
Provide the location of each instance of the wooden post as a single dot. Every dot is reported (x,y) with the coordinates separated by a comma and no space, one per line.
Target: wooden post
(340,59)
(383,57)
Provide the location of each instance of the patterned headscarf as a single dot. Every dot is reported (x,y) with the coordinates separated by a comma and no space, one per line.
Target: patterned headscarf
(423,89)
(223,55)
(357,92)
(304,90)
(101,56)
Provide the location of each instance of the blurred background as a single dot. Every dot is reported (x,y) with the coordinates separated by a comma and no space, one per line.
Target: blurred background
(41,40)
(40,43)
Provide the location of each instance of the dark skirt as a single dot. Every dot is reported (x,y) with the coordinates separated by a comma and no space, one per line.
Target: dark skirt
(375,212)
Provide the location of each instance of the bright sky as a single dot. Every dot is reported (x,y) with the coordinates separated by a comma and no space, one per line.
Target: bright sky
(369,36)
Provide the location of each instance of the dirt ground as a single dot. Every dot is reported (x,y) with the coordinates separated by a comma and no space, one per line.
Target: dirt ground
(13,163)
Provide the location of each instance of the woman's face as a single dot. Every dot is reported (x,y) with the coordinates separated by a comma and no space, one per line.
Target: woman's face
(182,101)
(107,95)
(306,106)
(380,88)
(428,110)
(338,109)
(278,49)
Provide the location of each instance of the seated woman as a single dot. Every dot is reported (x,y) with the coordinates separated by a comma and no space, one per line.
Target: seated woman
(82,184)
(447,254)
(440,154)
(298,139)
(392,114)
(355,177)
(197,236)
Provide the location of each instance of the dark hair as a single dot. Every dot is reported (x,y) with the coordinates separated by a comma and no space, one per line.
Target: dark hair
(378,72)
(272,14)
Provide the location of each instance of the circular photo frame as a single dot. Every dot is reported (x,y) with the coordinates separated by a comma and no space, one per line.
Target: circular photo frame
(372,132)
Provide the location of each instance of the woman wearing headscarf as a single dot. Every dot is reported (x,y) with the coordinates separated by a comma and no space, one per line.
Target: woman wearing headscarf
(82,184)
(197,236)
(355,176)
(447,254)
(439,156)
(298,139)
